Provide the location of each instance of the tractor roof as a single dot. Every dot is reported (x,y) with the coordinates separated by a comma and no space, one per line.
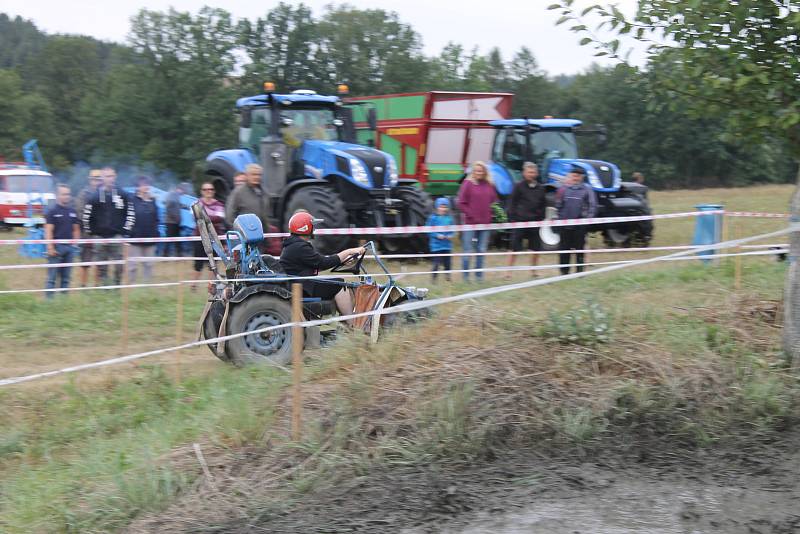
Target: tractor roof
(302,98)
(541,124)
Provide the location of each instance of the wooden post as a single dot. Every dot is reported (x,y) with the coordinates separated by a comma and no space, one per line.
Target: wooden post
(737,261)
(178,320)
(126,247)
(297,360)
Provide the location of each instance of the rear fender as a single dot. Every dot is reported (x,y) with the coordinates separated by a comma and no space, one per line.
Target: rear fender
(248,291)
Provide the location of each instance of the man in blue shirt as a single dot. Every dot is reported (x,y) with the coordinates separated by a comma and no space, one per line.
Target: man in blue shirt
(61,222)
(574,200)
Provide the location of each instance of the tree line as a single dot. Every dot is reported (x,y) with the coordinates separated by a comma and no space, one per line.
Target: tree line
(165,98)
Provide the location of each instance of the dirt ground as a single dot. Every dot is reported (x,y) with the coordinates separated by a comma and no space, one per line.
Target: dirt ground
(752,491)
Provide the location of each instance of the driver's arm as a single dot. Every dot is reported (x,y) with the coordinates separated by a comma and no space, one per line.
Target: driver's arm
(343,255)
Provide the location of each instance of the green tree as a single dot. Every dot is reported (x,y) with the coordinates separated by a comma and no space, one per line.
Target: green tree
(735,60)
(19,41)
(23,116)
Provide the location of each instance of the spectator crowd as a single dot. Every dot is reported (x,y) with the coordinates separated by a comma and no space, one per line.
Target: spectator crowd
(103,210)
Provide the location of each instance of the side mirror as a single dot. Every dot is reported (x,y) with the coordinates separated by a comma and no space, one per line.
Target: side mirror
(372,119)
(602,136)
(246,118)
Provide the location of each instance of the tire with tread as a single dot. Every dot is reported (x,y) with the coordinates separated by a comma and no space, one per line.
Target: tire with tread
(322,202)
(259,311)
(418,207)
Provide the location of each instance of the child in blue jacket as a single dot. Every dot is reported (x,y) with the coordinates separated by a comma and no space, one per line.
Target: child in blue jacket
(441,242)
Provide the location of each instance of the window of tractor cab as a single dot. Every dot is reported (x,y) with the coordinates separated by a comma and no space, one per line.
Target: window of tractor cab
(28,184)
(260,125)
(509,146)
(300,124)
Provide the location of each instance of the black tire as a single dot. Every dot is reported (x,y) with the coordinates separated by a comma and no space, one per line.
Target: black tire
(323,203)
(418,207)
(636,234)
(259,311)
(221,174)
(211,326)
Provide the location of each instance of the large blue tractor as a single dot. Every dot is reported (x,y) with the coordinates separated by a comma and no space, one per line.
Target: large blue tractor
(306,144)
(552,145)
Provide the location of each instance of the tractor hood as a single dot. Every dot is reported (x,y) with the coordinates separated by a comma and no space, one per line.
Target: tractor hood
(601,175)
(365,167)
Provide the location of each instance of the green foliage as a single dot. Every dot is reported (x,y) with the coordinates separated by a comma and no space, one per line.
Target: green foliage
(589,324)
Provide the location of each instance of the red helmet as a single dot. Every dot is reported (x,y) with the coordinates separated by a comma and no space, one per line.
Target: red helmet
(302,223)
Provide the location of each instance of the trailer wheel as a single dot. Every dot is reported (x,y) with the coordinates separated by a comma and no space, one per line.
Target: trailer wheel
(254,313)
(323,203)
(418,207)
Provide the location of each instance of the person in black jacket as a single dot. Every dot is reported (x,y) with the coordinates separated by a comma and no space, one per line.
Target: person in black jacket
(527,202)
(300,258)
(108,214)
(145,225)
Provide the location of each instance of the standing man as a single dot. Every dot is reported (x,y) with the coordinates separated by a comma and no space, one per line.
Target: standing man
(145,225)
(527,202)
(87,251)
(109,214)
(574,200)
(250,197)
(173,219)
(61,222)
(638,177)
(239,179)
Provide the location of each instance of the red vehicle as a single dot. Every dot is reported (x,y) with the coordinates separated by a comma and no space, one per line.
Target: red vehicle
(433,135)
(25,192)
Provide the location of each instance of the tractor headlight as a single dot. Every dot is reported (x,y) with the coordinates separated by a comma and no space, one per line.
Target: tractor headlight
(392,171)
(359,172)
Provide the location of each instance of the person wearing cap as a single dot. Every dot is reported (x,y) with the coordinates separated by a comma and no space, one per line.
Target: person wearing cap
(300,258)
(441,242)
(527,202)
(574,200)
(145,226)
(87,250)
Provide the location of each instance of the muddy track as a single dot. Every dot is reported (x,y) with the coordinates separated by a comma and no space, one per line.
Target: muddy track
(754,491)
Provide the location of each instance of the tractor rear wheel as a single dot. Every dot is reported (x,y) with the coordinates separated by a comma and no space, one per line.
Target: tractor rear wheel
(324,203)
(259,311)
(418,206)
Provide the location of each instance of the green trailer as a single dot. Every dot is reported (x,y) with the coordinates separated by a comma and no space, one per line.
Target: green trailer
(433,135)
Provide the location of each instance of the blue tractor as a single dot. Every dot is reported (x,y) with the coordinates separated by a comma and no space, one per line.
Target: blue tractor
(305,143)
(552,145)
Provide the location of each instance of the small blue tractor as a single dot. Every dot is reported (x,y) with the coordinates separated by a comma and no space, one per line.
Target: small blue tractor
(305,143)
(552,145)
(255,295)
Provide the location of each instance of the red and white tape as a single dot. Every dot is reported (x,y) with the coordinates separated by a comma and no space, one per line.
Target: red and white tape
(389,230)
(757,214)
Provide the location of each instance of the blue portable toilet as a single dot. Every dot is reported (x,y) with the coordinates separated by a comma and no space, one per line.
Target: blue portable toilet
(708,228)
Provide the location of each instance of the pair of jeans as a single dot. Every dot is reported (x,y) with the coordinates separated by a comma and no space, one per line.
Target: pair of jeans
(142,250)
(108,252)
(444,261)
(474,241)
(573,238)
(173,230)
(64,254)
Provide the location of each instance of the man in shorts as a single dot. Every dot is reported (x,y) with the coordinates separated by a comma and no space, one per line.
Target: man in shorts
(527,202)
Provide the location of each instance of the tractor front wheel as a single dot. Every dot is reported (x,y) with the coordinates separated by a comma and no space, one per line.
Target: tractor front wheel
(259,311)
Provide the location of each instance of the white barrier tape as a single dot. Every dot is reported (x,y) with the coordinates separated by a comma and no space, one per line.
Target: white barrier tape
(58,265)
(391,230)
(410,306)
(773,251)
(757,214)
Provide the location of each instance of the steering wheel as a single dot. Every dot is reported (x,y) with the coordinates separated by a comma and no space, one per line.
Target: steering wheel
(352,264)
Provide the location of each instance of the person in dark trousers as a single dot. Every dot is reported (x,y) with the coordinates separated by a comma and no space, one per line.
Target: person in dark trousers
(441,242)
(145,225)
(300,258)
(527,202)
(172,220)
(574,200)
(61,222)
(87,250)
(109,214)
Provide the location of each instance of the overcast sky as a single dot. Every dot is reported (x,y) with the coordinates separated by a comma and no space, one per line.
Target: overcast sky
(507,24)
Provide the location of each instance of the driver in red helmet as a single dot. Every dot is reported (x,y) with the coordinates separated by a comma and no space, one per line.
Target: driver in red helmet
(300,258)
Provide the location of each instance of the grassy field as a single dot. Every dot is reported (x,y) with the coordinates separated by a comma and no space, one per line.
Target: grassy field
(91,452)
